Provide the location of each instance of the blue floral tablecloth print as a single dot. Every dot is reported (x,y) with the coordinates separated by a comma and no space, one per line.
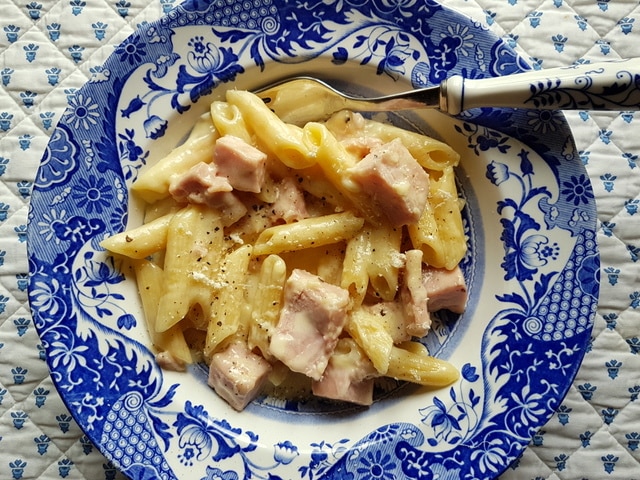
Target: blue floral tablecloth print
(49,48)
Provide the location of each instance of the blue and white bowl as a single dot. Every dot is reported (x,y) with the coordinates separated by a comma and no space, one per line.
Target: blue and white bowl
(530,218)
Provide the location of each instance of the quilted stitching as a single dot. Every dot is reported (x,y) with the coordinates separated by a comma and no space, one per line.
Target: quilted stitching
(51,47)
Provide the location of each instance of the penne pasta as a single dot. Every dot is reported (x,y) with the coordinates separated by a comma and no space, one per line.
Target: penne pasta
(335,161)
(193,253)
(439,233)
(142,241)
(370,334)
(267,302)
(153,183)
(384,260)
(284,140)
(373,259)
(355,275)
(226,305)
(411,362)
(228,120)
(432,154)
(313,181)
(330,262)
(308,233)
(160,208)
(149,281)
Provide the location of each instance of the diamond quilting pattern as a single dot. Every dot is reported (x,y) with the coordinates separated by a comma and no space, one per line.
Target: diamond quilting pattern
(49,48)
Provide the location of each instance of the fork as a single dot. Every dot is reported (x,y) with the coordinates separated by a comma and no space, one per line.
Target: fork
(613,85)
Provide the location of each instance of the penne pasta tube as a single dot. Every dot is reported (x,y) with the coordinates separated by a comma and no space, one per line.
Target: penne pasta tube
(373,258)
(267,302)
(355,275)
(284,140)
(335,161)
(308,233)
(194,249)
(226,305)
(311,102)
(149,281)
(411,362)
(313,181)
(228,120)
(153,183)
(140,242)
(366,329)
(384,260)
(440,233)
(330,263)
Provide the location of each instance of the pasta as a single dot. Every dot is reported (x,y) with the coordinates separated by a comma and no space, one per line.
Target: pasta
(193,254)
(308,233)
(149,280)
(153,184)
(439,232)
(429,152)
(142,241)
(318,238)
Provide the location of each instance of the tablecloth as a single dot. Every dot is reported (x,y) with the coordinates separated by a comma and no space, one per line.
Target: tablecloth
(49,48)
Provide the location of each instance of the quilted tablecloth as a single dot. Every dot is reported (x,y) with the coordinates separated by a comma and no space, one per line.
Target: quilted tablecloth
(49,48)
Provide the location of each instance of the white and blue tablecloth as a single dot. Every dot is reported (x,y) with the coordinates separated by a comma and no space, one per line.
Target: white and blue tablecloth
(49,48)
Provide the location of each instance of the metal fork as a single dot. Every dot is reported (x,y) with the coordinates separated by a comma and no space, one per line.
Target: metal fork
(613,85)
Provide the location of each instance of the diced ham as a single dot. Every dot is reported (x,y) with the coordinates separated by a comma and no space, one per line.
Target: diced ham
(361,146)
(197,184)
(231,207)
(313,316)
(289,205)
(202,185)
(445,288)
(395,182)
(242,164)
(167,361)
(414,296)
(348,376)
(237,374)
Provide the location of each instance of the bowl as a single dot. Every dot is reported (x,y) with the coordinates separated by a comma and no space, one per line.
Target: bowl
(531,268)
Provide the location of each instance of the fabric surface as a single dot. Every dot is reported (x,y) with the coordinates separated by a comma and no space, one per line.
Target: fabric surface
(49,48)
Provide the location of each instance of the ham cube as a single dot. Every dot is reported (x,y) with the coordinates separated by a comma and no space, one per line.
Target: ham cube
(242,164)
(230,206)
(167,361)
(361,146)
(445,288)
(237,374)
(348,376)
(289,205)
(202,185)
(312,317)
(394,181)
(197,184)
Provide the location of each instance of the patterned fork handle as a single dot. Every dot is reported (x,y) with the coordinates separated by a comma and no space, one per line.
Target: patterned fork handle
(611,85)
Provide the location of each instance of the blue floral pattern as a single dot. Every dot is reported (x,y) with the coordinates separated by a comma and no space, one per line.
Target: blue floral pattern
(531,345)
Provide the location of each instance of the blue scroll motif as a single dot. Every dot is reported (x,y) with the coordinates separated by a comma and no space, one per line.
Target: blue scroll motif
(584,93)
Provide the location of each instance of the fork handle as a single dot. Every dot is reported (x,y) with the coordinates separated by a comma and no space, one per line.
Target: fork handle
(613,85)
